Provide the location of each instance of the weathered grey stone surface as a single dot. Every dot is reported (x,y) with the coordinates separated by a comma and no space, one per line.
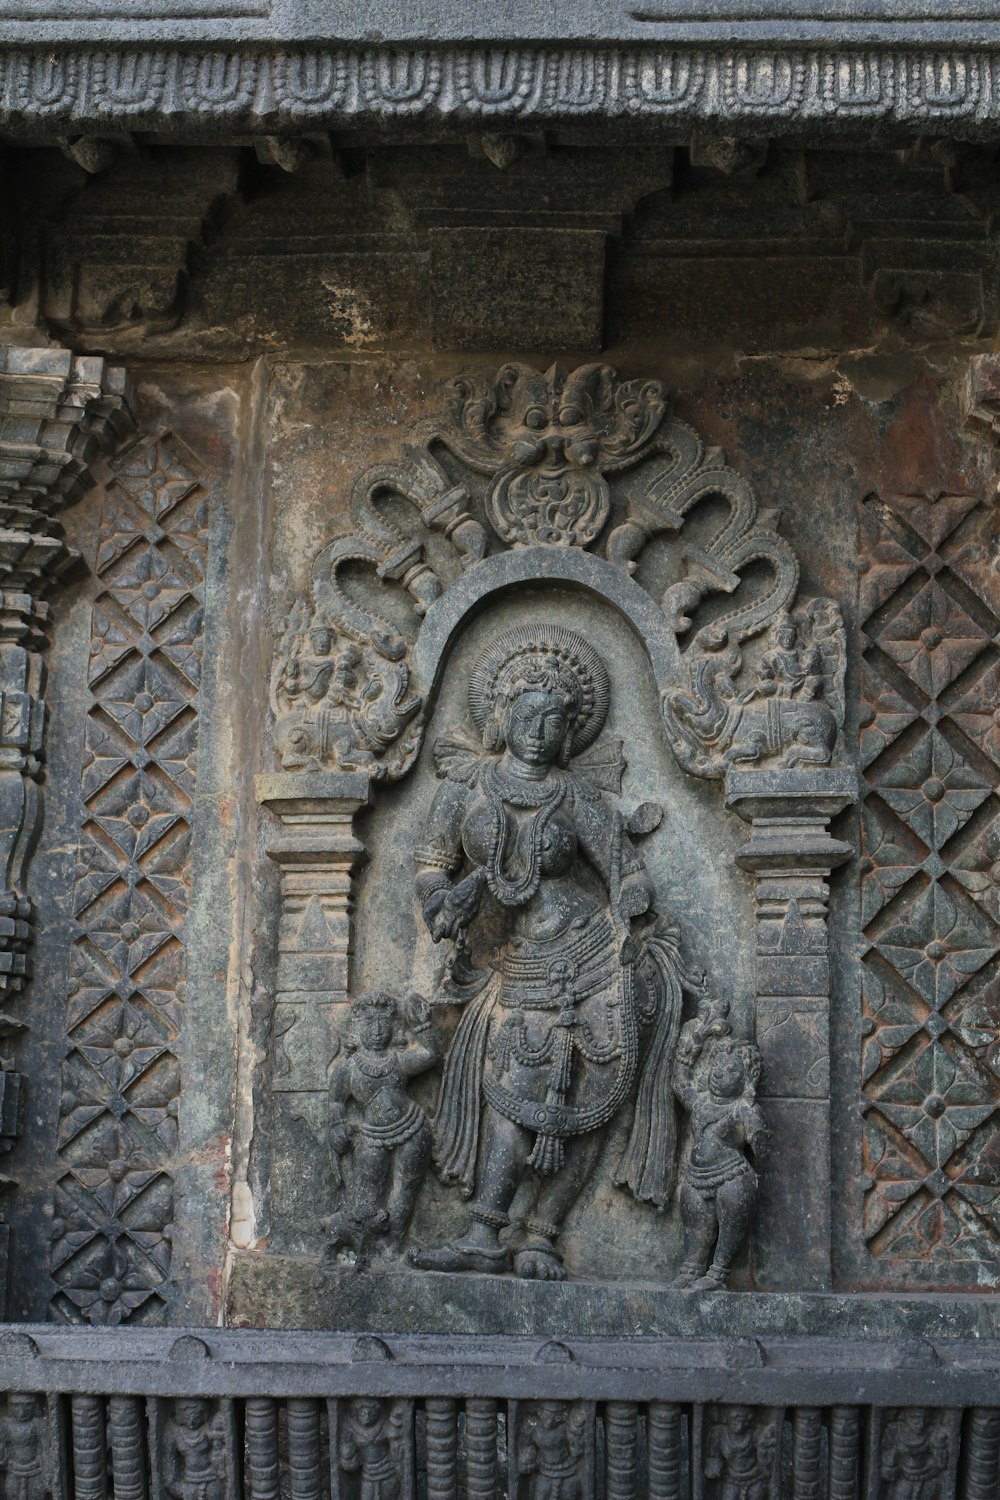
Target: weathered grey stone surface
(290,575)
(315,425)
(500,592)
(520,21)
(305,1297)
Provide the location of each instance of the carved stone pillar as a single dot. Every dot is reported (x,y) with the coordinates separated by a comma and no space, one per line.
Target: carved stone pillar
(317,853)
(792,854)
(58,413)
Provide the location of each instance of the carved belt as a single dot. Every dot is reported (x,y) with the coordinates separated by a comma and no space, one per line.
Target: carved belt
(554,1119)
(542,975)
(567,1469)
(707,1179)
(380,1469)
(397,1132)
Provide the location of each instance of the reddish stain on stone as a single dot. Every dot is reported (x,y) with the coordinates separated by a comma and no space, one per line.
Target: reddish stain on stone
(920,450)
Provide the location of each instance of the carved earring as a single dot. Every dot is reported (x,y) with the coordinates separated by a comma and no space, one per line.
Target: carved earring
(566,748)
(492,732)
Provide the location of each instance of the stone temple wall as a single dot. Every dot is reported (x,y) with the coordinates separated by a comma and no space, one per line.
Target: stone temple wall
(499,751)
(499,755)
(296,433)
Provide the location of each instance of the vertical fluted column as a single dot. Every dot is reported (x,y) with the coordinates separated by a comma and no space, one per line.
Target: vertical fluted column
(90,1448)
(303,1450)
(318,856)
(664,1429)
(807,1452)
(845,1452)
(791,854)
(58,413)
(481,1476)
(621,1450)
(262,1471)
(127,1442)
(982,1454)
(442,1450)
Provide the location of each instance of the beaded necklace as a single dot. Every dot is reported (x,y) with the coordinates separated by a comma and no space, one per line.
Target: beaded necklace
(374,1066)
(501,790)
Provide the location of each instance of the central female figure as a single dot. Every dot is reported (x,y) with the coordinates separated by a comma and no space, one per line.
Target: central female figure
(525,845)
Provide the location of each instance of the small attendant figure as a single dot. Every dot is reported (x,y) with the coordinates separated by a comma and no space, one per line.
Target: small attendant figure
(550,1450)
(790,669)
(719,1190)
(367,1443)
(740,1456)
(22,1449)
(195,1455)
(914,1457)
(380,1138)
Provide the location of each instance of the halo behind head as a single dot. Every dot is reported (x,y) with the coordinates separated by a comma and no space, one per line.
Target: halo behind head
(532,656)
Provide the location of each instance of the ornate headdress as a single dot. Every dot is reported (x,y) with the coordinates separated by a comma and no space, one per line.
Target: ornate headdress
(544,656)
(374,1000)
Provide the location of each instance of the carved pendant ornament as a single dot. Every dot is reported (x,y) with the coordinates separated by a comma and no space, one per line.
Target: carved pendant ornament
(587,1012)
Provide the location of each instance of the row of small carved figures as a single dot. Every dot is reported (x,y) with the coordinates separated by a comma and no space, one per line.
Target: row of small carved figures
(367,1448)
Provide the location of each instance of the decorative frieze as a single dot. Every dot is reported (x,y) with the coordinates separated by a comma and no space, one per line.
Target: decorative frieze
(338,1417)
(775,88)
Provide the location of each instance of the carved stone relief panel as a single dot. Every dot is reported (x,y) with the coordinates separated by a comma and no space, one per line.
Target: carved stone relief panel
(114,1210)
(524,983)
(547,623)
(132,1140)
(930,615)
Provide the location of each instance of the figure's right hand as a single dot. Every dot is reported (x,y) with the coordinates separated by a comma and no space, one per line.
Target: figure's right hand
(690,1044)
(431,908)
(447,913)
(340,1139)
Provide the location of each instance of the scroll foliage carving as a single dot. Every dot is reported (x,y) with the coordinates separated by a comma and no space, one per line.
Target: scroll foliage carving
(538,460)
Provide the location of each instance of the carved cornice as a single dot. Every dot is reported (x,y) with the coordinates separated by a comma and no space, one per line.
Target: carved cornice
(749,88)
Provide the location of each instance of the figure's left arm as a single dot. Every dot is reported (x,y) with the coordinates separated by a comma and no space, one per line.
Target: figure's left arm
(756,1133)
(422,1048)
(601,832)
(218,1449)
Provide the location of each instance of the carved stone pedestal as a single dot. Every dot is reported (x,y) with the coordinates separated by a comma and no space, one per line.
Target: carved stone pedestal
(792,854)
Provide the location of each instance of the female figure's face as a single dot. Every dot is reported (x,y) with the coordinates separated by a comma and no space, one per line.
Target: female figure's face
(375,1026)
(535,726)
(191,1413)
(725,1076)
